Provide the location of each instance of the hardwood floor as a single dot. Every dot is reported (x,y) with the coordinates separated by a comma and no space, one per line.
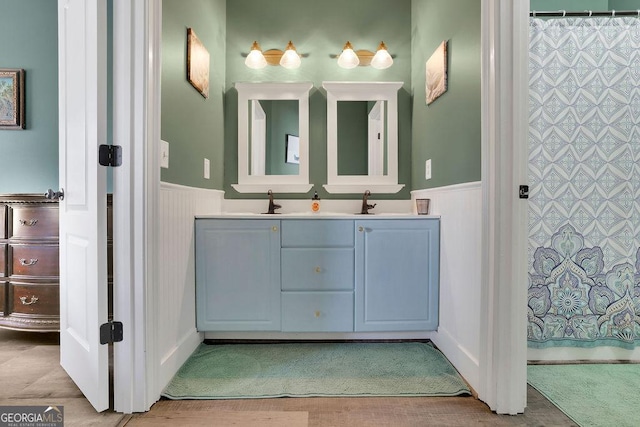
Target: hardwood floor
(30,374)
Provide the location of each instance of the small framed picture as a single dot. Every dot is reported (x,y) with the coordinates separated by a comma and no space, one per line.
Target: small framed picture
(12,98)
(197,63)
(436,73)
(292,149)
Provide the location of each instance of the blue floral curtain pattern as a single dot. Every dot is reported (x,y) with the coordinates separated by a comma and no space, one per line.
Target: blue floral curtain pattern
(584,174)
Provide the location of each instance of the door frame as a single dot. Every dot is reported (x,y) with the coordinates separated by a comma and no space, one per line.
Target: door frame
(503,333)
(136,128)
(502,360)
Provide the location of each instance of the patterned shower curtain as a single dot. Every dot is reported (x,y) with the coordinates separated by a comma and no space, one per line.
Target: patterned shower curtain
(584,175)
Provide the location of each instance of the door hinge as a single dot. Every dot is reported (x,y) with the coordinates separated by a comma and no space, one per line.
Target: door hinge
(110,155)
(523,192)
(110,332)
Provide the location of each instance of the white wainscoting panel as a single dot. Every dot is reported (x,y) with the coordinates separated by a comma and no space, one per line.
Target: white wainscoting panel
(460,208)
(176,335)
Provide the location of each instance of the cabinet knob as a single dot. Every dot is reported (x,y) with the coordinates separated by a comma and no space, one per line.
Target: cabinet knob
(28,222)
(317,314)
(318,270)
(274,228)
(361,229)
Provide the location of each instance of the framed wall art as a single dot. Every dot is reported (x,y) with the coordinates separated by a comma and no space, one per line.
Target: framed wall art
(197,63)
(12,98)
(436,73)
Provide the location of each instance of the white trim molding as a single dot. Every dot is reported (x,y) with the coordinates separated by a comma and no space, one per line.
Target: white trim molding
(458,337)
(503,351)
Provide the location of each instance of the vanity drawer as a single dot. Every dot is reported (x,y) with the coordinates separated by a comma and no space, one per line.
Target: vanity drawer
(34,299)
(314,269)
(317,311)
(30,222)
(3,260)
(317,233)
(34,260)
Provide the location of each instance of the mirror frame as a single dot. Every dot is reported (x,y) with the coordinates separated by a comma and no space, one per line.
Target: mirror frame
(362,91)
(248,91)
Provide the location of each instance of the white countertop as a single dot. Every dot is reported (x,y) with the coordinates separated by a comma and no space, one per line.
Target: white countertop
(318,215)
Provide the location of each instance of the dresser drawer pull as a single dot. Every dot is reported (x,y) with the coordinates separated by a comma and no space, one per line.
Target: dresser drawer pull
(361,229)
(34,299)
(317,313)
(28,222)
(26,263)
(318,270)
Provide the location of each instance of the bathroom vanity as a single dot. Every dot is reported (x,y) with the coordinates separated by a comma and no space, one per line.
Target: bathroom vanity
(332,273)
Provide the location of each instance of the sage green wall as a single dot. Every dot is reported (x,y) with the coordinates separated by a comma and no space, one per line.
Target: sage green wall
(318,29)
(448,130)
(580,5)
(624,4)
(29,158)
(287,123)
(569,5)
(191,124)
(353,134)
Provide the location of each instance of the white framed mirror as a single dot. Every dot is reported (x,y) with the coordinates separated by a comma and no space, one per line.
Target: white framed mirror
(362,137)
(273,137)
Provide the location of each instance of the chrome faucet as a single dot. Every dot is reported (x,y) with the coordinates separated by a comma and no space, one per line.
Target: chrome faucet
(272,206)
(365,203)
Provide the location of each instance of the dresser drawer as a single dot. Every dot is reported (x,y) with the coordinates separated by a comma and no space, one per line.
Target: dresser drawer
(3,299)
(317,233)
(317,311)
(34,299)
(34,260)
(3,221)
(315,269)
(30,222)
(3,260)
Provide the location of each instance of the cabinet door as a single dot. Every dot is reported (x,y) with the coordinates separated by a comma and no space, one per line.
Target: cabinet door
(237,275)
(397,274)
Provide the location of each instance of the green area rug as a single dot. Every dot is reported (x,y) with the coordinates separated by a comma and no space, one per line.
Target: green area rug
(315,369)
(592,395)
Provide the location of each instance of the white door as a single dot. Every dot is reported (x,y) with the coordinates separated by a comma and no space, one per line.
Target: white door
(376,139)
(83,240)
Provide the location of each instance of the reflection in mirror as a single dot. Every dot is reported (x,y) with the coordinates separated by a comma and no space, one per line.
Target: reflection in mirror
(271,121)
(362,137)
(273,137)
(362,140)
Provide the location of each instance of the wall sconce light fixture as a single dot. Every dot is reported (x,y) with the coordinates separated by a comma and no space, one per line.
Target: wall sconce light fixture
(289,58)
(380,60)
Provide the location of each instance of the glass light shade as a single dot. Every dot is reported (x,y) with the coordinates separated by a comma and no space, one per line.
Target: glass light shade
(290,59)
(382,59)
(255,59)
(348,58)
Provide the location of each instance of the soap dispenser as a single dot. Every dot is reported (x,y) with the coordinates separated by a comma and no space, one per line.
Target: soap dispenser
(315,202)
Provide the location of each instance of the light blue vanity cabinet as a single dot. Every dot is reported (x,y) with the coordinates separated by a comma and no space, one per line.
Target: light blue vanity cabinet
(238,275)
(397,274)
(317,275)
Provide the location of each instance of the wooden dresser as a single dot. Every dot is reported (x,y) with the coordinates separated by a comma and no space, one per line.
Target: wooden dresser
(29,269)
(29,262)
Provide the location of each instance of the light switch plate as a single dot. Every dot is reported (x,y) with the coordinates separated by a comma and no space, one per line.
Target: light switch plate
(427,169)
(207,169)
(164,154)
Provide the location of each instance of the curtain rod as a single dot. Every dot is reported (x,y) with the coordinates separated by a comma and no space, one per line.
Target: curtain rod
(564,13)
